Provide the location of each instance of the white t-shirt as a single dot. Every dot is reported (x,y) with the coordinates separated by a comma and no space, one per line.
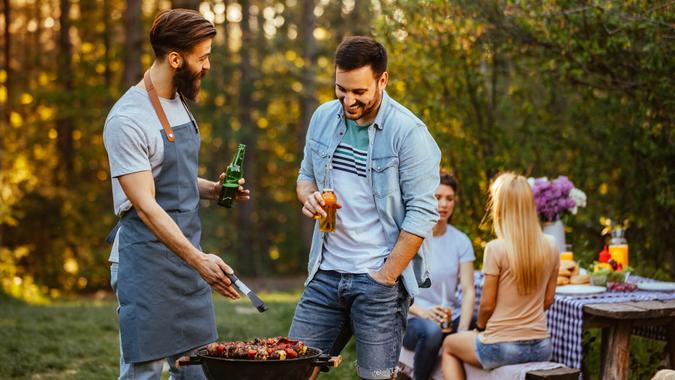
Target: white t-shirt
(448,251)
(132,137)
(358,244)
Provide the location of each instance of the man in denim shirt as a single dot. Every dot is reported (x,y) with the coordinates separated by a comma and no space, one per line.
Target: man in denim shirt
(383,165)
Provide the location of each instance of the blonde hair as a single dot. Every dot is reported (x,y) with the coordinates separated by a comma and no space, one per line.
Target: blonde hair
(515,221)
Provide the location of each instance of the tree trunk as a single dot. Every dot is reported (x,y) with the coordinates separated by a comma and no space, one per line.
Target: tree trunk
(107,73)
(65,122)
(8,63)
(37,46)
(247,136)
(308,101)
(359,21)
(185,4)
(261,240)
(6,109)
(133,42)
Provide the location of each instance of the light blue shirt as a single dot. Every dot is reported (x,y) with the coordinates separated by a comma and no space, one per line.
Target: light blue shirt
(402,172)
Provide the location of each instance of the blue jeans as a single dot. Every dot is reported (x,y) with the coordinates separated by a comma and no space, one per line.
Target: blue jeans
(335,306)
(425,338)
(523,351)
(152,370)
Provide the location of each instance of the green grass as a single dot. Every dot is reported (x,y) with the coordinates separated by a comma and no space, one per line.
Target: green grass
(78,339)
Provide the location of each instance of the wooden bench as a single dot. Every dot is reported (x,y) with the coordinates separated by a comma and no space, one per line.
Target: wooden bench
(559,373)
(563,373)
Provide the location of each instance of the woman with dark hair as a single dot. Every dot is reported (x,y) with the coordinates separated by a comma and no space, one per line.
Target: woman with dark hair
(450,264)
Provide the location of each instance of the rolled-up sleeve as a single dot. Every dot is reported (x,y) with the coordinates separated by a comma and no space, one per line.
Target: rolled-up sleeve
(419,177)
(306,172)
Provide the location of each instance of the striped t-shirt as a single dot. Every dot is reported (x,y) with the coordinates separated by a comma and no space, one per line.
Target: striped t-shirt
(351,155)
(358,244)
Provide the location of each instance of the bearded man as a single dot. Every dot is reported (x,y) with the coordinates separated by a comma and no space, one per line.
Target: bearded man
(382,163)
(159,273)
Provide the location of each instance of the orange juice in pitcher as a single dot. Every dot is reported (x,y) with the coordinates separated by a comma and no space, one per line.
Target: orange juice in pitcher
(619,252)
(618,247)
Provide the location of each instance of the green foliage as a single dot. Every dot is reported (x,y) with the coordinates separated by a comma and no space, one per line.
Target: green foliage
(543,88)
(549,88)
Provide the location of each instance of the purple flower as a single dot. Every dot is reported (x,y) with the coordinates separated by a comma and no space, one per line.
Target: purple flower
(552,198)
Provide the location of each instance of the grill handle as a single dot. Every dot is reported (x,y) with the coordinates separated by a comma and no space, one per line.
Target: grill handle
(188,360)
(326,362)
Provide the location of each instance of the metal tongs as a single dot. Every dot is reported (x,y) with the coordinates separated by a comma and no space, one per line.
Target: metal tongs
(255,300)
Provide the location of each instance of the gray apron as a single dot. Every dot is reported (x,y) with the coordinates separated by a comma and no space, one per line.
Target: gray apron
(165,306)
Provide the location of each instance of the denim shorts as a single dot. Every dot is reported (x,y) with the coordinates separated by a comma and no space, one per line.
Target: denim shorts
(335,306)
(523,351)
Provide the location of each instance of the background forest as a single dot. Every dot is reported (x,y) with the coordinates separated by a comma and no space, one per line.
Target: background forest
(546,88)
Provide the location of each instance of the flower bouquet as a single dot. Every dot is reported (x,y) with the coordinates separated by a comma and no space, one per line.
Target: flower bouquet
(553,198)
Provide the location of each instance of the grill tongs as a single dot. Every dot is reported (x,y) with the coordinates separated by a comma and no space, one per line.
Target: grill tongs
(255,300)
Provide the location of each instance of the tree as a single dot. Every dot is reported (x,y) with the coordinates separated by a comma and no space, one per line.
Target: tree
(308,101)
(547,89)
(7,50)
(65,76)
(185,4)
(107,44)
(133,43)
(247,136)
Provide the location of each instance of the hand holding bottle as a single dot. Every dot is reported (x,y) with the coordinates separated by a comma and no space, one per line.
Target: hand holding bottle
(231,182)
(314,206)
(243,194)
(436,314)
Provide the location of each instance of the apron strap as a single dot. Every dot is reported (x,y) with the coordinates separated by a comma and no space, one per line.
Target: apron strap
(111,236)
(154,99)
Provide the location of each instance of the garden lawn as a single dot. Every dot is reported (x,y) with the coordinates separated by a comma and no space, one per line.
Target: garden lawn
(79,339)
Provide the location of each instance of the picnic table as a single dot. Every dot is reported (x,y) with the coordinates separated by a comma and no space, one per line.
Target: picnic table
(649,314)
(618,320)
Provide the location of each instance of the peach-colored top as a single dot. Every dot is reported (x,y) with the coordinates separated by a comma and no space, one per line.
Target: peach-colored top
(516,317)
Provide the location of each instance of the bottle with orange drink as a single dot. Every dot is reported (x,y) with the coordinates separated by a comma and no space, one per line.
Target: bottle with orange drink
(446,322)
(327,224)
(618,247)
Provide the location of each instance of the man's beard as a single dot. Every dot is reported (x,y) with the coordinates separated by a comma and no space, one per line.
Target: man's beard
(188,82)
(367,109)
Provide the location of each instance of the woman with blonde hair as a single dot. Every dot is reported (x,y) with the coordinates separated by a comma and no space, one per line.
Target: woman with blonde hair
(520,270)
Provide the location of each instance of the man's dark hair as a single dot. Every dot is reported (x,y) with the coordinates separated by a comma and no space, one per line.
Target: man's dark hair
(358,51)
(179,30)
(450,180)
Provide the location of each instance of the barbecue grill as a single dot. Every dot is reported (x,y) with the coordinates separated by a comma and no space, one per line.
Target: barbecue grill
(301,368)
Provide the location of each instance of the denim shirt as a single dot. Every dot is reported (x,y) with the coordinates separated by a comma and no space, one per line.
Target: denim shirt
(402,170)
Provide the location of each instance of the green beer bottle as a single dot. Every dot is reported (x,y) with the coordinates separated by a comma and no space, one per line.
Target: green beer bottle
(234,172)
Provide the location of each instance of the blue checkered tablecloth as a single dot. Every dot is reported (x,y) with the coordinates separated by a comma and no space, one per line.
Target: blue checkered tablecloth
(565,318)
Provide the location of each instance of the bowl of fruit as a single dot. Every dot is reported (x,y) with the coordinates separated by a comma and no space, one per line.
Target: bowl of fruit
(610,272)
